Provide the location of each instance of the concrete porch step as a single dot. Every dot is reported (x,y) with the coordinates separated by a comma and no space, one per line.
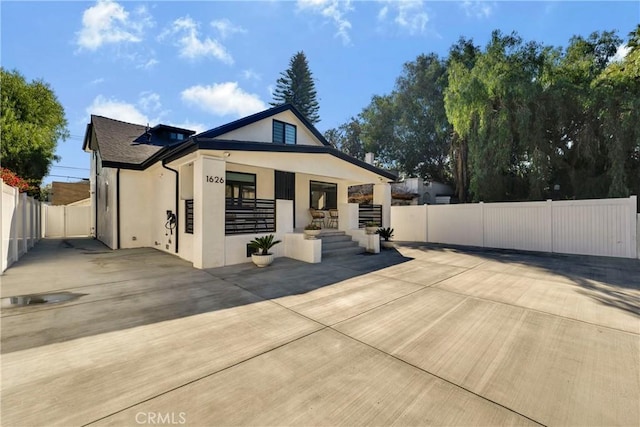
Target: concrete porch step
(329,245)
(335,238)
(340,252)
(330,232)
(337,243)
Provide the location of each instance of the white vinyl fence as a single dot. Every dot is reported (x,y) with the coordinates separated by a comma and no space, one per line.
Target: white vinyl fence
(67,221)
(605,227)
(20,224)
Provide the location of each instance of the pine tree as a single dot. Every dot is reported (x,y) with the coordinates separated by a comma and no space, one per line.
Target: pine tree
(295,86)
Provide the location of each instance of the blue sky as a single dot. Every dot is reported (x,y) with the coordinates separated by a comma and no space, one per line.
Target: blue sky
(203,64)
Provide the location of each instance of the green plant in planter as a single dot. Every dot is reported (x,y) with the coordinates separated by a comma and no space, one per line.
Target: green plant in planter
(312,226)
(372,224)
(385,233)
(263,244)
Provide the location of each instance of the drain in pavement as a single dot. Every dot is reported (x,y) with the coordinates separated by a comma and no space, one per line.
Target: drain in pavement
(39,299)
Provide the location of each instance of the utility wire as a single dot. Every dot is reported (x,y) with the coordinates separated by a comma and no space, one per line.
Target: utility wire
(72,177)
(69,167)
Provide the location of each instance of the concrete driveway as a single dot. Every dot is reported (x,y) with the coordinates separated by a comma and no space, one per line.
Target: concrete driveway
(413,336)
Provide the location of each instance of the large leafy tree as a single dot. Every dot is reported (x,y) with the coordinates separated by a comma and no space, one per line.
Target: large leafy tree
(32,122)
(348,138)
(496,107)
(409,129)
(462,58)
(296,86)
(580,165)
(617,105)
(516,120)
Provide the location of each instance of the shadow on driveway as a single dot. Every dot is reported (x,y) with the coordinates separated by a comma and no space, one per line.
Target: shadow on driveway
(135,287)
(613,282)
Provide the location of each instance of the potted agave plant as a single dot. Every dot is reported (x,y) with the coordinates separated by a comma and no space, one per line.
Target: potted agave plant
(386,234)
(311,231)
(371,227)
(262,257)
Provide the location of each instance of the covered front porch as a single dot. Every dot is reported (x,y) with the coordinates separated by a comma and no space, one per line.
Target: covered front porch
(227,198)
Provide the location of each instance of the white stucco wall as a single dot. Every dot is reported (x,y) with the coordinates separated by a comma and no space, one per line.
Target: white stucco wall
(92,190)
(107,206)
(163,188)
(208,210)
(186,193)
(324,165)
(136,201)
(145,197)
(261,131)
(297,247)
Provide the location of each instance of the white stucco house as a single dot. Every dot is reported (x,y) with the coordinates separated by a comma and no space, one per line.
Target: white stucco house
(204,197)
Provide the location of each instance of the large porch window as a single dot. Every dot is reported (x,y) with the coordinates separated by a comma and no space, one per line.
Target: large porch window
(244,213)
(323,195)
(240,186)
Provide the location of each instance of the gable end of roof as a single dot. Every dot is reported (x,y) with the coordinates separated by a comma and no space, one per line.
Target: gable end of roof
(245,121)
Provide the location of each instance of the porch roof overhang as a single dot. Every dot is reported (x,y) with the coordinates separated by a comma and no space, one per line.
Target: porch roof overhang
(271,155)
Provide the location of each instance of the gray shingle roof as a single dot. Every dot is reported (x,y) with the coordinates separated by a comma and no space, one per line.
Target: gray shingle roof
(121,142)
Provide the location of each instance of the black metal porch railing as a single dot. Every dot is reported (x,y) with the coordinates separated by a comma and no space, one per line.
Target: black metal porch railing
(244,216)
(369,213)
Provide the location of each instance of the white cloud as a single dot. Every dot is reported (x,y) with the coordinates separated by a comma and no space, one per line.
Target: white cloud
(382,14)
(622,51)
(130,113)
(251,75)
(409,15)
(223,99)
(149,101)
(478,8)
(107,22)
(97,81)
(226,28)
(334,10)
(191,45)
(148,64)
(118,110)
(197,127)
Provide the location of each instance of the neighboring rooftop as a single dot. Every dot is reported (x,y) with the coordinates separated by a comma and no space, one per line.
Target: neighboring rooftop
(122,142)
(63,193)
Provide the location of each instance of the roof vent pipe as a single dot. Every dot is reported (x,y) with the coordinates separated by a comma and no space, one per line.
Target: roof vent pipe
(368,158)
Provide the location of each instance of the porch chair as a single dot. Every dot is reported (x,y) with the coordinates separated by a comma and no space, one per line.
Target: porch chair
(317,217)
(333,218)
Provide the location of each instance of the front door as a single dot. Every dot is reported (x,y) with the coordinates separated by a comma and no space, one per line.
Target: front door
(285,183)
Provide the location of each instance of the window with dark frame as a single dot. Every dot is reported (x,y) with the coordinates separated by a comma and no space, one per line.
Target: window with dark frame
(240,186)
(323,195)
(284,133)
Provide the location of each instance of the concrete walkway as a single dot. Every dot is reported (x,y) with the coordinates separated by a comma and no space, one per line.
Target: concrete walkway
(413,336)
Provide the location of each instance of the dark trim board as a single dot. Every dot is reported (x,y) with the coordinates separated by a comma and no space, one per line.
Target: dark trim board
(230,145)
(263,115)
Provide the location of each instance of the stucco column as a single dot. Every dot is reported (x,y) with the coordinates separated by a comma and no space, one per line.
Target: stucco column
(208,212)
(382,196)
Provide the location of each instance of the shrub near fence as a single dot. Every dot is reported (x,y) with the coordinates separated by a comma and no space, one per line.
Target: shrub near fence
(605,227)
(20,225)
